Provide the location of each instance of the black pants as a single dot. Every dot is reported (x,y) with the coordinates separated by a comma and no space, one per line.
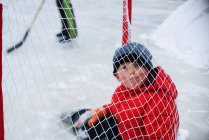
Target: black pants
(69,27)
(105,129)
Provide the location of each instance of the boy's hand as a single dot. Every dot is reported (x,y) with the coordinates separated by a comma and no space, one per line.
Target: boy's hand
(97,114)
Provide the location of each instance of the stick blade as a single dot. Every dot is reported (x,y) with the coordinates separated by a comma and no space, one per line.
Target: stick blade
(14,47)
(20,43)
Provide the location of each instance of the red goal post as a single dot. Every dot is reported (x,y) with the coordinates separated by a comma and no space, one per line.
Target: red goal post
(127,16)
(1,96)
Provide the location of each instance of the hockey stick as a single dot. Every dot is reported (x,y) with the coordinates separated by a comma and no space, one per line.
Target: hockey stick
(28,30)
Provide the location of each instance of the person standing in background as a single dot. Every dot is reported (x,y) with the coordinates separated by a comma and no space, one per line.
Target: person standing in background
(69,28)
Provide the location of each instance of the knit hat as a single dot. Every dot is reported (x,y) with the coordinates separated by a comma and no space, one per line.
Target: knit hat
(132,52)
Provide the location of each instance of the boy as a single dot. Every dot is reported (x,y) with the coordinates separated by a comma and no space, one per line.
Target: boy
(144,104)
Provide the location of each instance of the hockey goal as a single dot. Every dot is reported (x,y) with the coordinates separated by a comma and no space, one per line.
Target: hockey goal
(42,77)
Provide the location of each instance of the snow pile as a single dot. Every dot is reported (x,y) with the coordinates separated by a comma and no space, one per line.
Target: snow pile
(184,34)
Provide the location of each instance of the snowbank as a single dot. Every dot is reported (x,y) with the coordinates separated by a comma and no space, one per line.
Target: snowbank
(184,34)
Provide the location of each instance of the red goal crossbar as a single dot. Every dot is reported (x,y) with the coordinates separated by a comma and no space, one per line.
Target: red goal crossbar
(1,95)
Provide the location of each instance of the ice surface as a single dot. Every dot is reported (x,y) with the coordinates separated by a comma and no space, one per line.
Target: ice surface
(43,78)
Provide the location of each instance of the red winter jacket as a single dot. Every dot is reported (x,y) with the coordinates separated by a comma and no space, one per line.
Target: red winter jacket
(148,113)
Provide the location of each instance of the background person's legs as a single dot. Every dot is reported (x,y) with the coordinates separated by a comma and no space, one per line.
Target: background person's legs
(69,28)
(62,16)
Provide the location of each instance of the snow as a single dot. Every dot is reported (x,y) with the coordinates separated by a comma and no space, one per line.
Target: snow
(43,78)
(185,33)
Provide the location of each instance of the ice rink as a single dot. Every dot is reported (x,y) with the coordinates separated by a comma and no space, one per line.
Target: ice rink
(43,78)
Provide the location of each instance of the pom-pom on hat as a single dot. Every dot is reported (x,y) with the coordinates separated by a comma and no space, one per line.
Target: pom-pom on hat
(132,52)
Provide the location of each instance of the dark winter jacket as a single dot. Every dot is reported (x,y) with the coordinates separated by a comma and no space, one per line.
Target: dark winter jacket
(148,113)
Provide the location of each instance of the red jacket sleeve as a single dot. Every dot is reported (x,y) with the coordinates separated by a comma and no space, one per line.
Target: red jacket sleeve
(107,109)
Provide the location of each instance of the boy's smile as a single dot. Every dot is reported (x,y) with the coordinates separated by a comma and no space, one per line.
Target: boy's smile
(131,75)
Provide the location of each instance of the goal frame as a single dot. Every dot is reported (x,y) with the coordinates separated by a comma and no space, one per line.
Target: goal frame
(1,93)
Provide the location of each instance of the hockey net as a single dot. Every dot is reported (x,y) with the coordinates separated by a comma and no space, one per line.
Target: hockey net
(45,78)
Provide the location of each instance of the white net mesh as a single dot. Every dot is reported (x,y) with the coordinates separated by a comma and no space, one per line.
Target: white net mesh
(65,65)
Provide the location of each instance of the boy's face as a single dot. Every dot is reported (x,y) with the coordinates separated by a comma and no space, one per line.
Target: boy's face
(131,75)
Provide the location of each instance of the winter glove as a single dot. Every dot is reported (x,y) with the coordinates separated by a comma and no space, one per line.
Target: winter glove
(97,114)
